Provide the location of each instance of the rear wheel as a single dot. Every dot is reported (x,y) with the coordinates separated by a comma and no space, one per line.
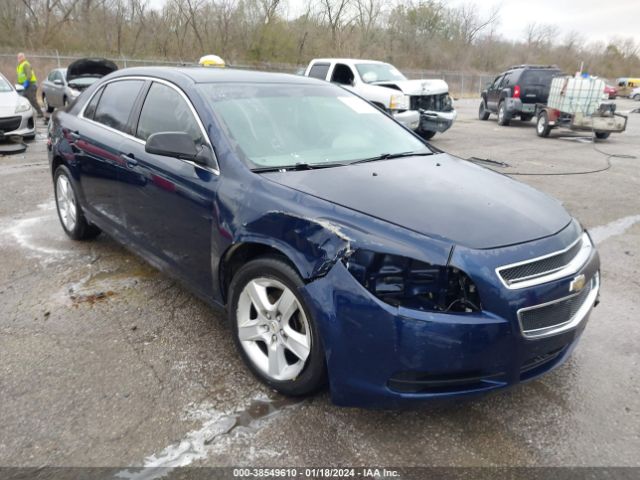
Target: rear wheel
(602,135)
(273,329)
(426,134)
(45,102)
(542,126)
(71,217)
(483,113)
(503,116)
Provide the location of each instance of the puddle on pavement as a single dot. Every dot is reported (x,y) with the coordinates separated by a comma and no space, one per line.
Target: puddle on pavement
(102,285)
(216,427)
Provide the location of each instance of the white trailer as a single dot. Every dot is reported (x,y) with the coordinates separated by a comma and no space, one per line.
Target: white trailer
(577,103)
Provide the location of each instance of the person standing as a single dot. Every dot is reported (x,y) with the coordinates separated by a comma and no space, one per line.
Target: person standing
(27,78)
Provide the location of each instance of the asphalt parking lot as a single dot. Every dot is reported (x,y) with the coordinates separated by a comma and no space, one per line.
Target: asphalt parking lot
(105,361)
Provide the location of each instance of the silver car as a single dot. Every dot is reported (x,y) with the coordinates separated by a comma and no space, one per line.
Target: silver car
(16,113)
(64,85)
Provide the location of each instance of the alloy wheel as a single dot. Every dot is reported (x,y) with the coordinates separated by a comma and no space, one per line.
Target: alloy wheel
(273,329)
(66,202)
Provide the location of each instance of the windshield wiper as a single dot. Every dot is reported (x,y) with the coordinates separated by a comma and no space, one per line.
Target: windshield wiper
(297,166)
(387,156)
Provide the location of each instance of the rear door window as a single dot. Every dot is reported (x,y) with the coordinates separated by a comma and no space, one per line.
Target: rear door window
(116,103)
(165,110)
(496,82)
(319,70)
(508,79)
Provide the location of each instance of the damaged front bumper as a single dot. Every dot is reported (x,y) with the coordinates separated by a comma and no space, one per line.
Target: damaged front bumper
(382,356)
(408,118)
(433,121)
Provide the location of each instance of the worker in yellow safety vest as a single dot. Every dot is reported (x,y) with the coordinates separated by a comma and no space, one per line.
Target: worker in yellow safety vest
(27,78)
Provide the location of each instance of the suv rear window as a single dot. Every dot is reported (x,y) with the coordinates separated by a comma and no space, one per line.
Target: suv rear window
(538,77)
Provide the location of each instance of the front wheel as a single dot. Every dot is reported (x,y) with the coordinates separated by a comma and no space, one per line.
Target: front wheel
(273,329)
(602,135)
(637,97)
(542,125)
(426,134)
(72,219)
(483,113)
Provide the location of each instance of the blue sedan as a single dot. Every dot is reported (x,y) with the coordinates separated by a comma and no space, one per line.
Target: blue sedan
(344,249)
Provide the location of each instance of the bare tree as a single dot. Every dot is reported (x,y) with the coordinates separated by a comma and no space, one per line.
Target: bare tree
(337,15)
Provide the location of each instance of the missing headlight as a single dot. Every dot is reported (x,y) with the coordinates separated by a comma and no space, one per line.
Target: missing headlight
(409,283)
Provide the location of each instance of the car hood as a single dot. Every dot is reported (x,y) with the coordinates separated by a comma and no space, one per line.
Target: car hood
(8,103)
(417,87)
(439,196)
(90,67)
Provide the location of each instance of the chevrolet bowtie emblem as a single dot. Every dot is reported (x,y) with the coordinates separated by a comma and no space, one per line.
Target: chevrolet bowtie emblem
(577,283)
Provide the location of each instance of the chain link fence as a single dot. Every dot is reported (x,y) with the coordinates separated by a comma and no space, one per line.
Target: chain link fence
(461,84)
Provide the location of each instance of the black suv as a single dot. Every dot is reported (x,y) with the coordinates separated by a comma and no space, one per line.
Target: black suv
(516,92)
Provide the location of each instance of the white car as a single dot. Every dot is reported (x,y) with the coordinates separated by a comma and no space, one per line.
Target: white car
(16,113)
(421,105)
(635,93)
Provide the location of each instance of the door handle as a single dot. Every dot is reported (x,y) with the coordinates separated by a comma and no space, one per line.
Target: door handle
(130,159)
(74,134)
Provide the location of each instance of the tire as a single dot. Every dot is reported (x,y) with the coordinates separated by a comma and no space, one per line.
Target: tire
(542,124)
(270,336)
(526,117)
(426,134)
(636,97)
(602,135)
(46,105)
(504,118)
(70,213)
(483,113)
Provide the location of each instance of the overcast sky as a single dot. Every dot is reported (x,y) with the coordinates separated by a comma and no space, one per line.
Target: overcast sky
(593,19)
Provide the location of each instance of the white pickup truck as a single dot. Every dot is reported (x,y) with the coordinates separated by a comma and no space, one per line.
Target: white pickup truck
(421,105)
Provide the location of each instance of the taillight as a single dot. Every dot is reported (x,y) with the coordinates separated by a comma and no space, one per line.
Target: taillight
(516,91)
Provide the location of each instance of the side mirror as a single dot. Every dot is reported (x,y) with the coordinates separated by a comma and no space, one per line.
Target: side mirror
(19,88)
(57,81)
(172,144)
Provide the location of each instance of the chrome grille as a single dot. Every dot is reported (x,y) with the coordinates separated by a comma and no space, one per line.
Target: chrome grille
(547,268)
(540,267)
(436,103)
(551,317)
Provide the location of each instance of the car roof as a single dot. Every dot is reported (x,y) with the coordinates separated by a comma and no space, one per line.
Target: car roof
(190,75)
(346,60)
(532,67)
